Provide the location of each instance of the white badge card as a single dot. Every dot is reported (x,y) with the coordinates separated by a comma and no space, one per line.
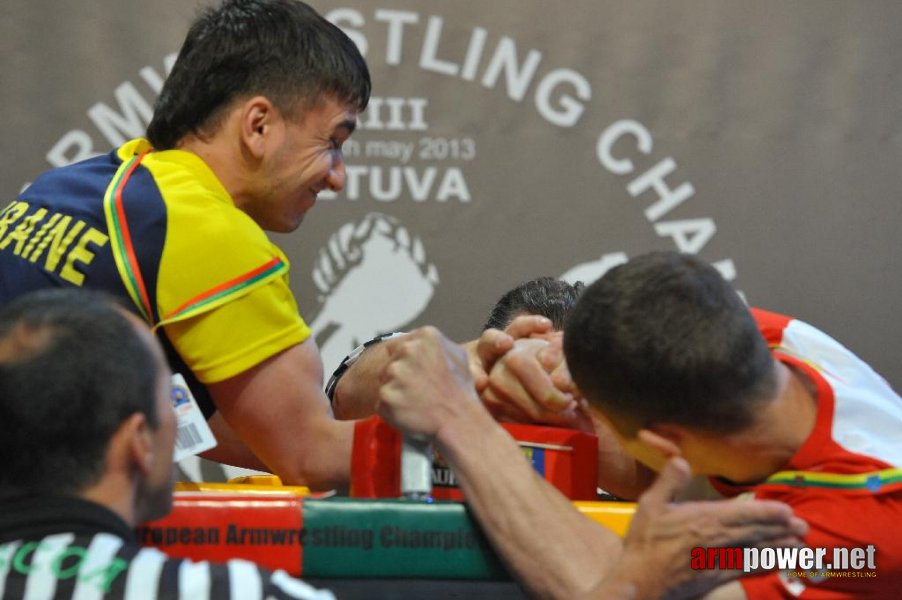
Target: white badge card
(192,435)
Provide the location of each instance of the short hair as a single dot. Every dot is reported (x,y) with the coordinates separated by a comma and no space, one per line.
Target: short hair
(664,338)
(72,369)
(281,49)
(545,296)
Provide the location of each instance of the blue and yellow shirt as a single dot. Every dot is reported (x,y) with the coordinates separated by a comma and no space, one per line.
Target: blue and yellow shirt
(159,230)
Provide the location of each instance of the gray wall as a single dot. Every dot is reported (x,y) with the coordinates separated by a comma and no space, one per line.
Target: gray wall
(536,139)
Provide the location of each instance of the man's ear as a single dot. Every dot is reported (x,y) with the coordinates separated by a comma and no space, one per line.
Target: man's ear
(665,439)
(137,439)
(257,118)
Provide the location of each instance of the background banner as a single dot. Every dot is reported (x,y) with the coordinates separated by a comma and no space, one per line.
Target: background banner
(506,140)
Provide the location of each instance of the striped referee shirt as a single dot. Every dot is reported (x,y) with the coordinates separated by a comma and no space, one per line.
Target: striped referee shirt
(55,547)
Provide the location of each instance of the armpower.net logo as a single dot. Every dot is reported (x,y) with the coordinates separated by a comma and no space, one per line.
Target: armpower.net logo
(811,563)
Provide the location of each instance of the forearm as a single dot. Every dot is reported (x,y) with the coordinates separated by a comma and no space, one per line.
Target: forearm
(552,548)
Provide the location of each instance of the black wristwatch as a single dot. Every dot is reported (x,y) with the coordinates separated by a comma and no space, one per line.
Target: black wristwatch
(351,358)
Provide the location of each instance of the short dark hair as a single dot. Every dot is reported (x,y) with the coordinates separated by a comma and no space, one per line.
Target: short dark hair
(72,369)
(545,296)
(281,49)
(664,338)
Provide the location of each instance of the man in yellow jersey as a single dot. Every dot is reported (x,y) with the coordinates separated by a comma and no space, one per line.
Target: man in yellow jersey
(246,131)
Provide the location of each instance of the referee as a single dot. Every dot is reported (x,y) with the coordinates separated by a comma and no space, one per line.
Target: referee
(87,442)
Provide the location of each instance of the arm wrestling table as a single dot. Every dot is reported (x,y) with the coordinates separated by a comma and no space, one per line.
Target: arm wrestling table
(374,544)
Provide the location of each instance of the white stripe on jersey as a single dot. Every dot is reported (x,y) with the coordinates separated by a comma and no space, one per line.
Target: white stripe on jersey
(244,580)
(6,559)
(143,580)
(295,588)
(41,583)
(194,580)
(97,567)
(867,417)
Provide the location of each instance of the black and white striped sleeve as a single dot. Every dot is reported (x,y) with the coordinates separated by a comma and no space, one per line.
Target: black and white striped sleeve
(104,567)
(233,580)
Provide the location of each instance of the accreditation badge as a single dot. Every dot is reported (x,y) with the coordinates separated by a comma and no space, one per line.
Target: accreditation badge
(192,435)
